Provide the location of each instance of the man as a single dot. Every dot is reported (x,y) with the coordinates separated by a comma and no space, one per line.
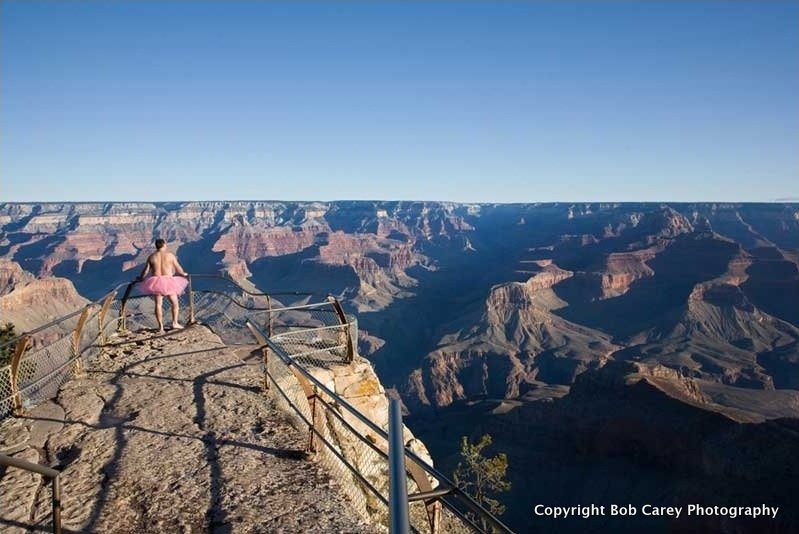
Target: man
(162,266)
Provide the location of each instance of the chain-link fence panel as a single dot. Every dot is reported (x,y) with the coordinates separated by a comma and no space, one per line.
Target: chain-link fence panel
(52,354)
(355,449)
(315,347)
(6,395)
(357,472)
(42,370)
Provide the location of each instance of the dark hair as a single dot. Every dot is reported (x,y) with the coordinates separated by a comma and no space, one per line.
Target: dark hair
(159,243)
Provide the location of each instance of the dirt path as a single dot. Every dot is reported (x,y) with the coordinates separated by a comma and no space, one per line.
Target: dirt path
(169,434)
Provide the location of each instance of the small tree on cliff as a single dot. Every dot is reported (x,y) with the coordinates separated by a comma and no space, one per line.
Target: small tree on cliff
(6,351)
(481,476)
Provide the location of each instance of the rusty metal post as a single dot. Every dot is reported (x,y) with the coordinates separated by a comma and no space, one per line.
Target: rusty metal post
(342,318)
(47,472)
(191,302)
(56,505)
(434,516)
(76,335)
(265,354)
(101,316)
(310,392)
(269,315)
(123,308)
(312,401)
(19,350)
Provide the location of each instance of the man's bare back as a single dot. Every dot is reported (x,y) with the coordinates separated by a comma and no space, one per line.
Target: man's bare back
(164,264)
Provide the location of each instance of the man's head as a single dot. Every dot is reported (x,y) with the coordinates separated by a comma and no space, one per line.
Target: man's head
(160,244)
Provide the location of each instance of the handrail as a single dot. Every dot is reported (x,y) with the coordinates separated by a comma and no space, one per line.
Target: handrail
(265,309)
(129,287)
(455,492)
(316,431)
(252,293)
(47,472)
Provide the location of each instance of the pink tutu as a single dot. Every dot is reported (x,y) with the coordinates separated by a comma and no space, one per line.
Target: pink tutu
(163,285)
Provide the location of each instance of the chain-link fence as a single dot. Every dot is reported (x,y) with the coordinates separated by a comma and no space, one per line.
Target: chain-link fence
(302,332)
(54,352)
(6,393)
(354,448)
(360,473)
(48,356)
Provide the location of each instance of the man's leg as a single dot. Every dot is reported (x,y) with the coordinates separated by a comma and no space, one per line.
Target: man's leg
(159,312)
(173,300)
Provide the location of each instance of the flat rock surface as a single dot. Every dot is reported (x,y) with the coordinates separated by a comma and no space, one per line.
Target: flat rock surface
(169,434)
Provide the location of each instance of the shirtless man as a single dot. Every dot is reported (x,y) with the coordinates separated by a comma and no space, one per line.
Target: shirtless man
(162,267)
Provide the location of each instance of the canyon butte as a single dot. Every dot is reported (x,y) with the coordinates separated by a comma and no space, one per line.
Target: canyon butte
(618,353)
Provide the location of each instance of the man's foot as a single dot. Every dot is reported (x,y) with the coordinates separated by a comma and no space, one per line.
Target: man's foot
(161,331)
(176,326)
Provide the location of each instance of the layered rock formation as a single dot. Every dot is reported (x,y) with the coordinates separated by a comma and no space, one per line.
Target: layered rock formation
(12,276)
(27,302)
(659,437)
(462,306)
(522,294)
(517,345)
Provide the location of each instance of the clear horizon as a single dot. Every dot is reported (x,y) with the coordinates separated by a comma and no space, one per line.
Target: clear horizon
(479,102)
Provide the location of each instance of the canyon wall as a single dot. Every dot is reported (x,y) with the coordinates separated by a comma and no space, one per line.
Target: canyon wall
(486,316)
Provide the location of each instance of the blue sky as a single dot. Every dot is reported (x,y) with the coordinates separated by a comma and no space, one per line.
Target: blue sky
(464,101)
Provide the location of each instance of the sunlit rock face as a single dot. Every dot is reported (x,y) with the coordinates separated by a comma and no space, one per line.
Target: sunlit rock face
(27,302)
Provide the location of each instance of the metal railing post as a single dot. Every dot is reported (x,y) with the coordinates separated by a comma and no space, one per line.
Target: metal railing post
(76,335)
(47,472)
(399,522)
(269,315)
(19,350)
(342,318)
(265,354)
(122,325)
(191,302)
(56,505)
(312,400)
(101,316)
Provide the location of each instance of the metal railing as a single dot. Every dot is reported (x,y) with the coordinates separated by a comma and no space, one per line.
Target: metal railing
(46,472)
(436,503)
(304,332)
(44,358)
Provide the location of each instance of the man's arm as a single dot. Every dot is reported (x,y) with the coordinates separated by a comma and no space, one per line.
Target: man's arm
(145,270)
(178,268)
